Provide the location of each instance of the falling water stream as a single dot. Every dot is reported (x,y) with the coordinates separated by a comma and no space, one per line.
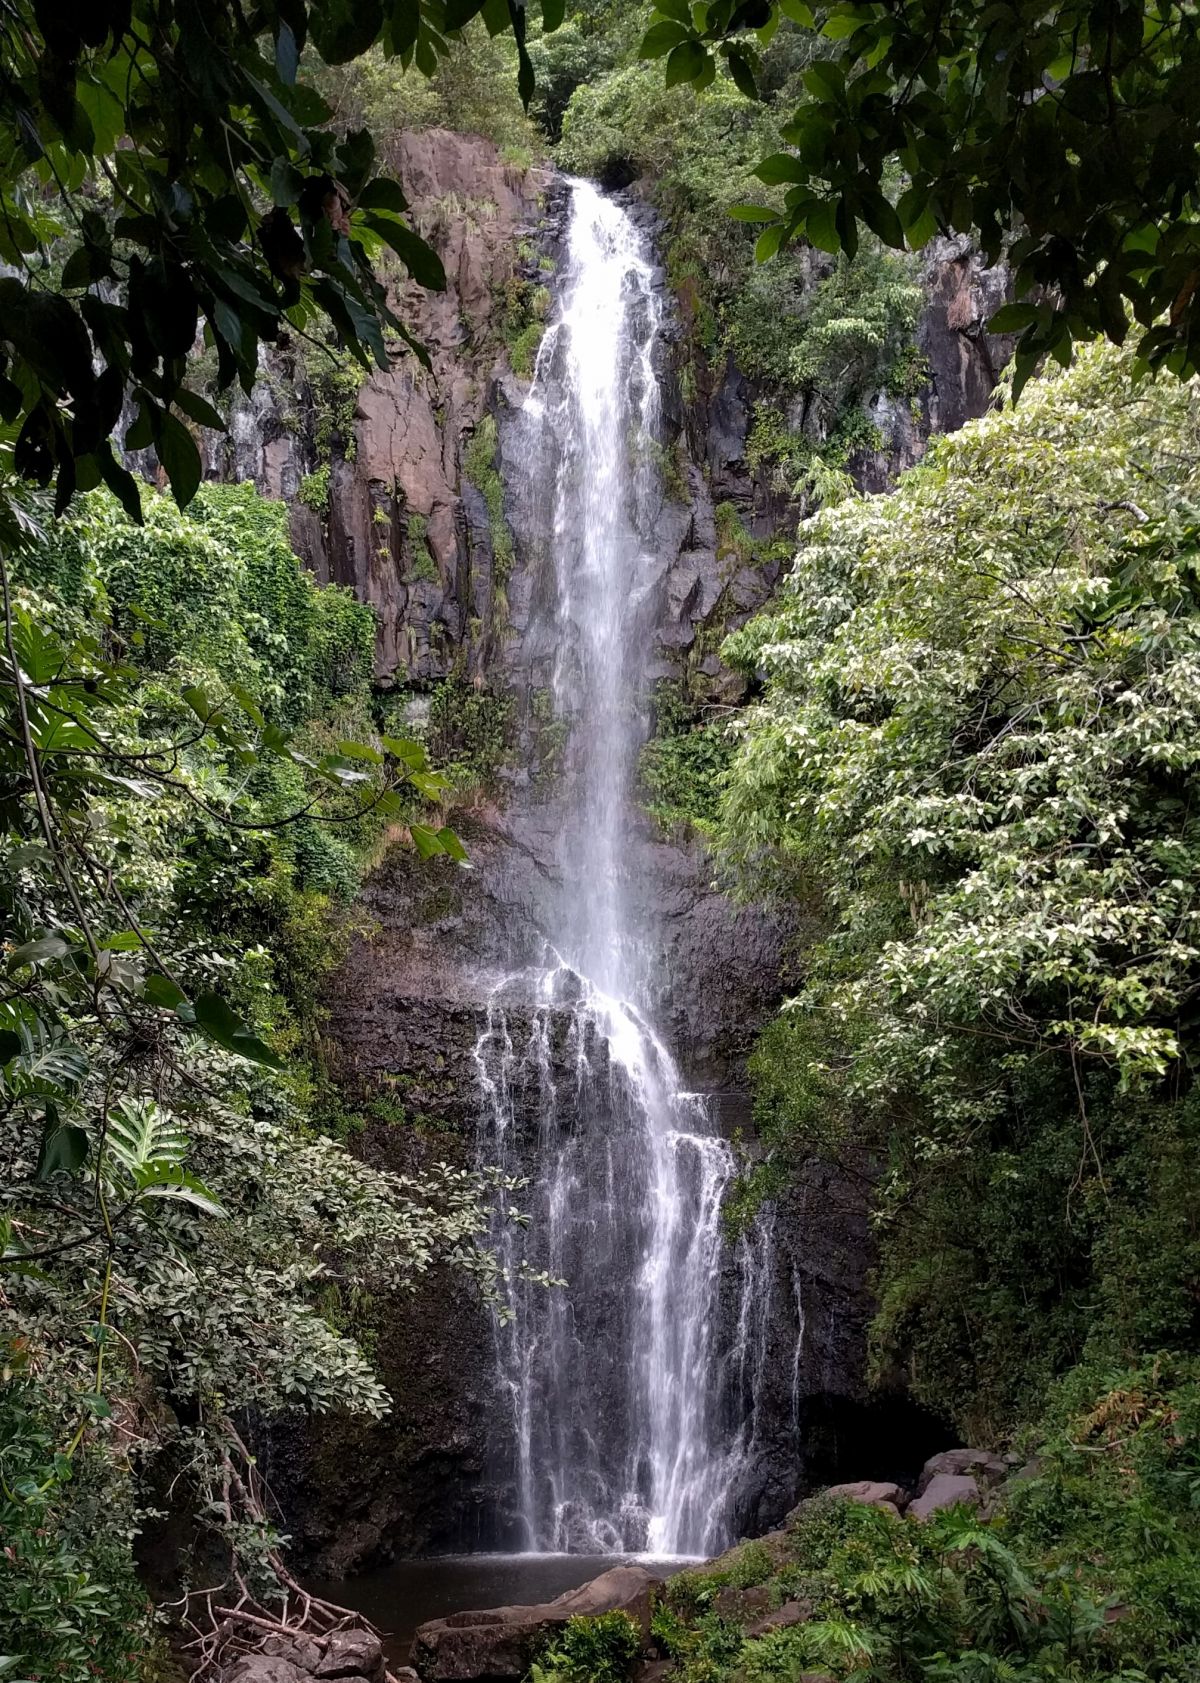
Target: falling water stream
(626,1426)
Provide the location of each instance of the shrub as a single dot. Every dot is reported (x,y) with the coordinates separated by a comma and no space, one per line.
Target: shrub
(600,1649)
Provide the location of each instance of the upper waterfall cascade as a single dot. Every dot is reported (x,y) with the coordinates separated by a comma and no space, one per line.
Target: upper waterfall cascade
(632,1388)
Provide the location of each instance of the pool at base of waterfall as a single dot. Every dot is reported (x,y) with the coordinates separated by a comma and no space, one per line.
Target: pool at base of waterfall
(399,1597)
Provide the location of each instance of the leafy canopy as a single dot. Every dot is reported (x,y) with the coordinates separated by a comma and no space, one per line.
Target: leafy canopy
(1071,130)
(977,748)
(187,769)
(166,168)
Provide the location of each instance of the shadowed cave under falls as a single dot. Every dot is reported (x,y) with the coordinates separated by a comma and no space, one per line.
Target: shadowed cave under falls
(628,1395)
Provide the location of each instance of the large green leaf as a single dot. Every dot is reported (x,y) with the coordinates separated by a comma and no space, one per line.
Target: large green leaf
(344,29)
(140,1132)
(214,1019)
(178,1186)
(64,1150)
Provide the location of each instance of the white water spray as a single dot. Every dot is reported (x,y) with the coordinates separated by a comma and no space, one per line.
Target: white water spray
(625,1434)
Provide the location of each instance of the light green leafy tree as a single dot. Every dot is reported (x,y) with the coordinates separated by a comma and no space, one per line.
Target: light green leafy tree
(975,758)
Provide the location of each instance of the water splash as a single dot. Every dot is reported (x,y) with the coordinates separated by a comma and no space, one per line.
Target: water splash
(626,1427)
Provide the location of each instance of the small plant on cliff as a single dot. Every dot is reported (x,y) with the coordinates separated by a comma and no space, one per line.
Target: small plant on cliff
(313,490)
(423,567)
(683,766)
(335,386)
(526,306)
(470,733)
(479,466)
(732,537)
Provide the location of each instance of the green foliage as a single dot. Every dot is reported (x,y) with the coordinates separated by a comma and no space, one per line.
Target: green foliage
(1037,124)
(220,588)
(423,566)
(1107,1523)
(978,737)
(167,891)
(470,733)
(472,88)
(597,1649)
(732,537)
(479,466)
(683,766)
(818,338)
(122,166)
(70,1603)
(313,490)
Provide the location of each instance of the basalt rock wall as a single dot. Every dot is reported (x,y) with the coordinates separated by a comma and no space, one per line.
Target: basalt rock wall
(401,521)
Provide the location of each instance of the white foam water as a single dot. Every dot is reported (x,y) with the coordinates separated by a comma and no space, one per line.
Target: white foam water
(627,1421)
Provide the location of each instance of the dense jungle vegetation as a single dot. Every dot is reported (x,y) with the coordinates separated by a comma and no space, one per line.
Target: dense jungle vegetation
(971,754)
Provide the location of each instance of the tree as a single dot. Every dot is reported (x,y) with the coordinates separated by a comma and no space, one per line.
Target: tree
(978,741)
(176,1238)
(166,170)
(1064,136)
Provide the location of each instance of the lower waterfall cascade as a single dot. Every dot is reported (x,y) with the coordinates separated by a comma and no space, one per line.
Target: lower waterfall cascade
(631,1388)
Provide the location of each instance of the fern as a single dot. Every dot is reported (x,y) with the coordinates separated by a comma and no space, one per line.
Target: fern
(147,1143)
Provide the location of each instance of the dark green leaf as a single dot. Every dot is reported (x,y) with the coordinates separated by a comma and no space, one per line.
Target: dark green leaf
(881,218)
(820,228)
(214,1019)
(287,56)
(451,846)
(781,167)
(161,990)
(344,29)
(420,259)
(64,1150)
(426,841)
(198,409)
(1012,318)
(42,951)
(382,193)
(661,38)
(742,72)
(687,63)
(180,459)
(769,241)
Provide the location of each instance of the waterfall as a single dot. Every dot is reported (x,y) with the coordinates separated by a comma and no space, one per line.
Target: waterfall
(628,1421)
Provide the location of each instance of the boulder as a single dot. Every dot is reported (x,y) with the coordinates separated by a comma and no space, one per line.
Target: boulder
(623,1589)
(265,1668)
(350,1653)
(873,1493)
(653,1671)
(979,1464)
(302,1651)
(1023,1474)
(944,1490)
(740,1604)
(499,1643)
(783,1618)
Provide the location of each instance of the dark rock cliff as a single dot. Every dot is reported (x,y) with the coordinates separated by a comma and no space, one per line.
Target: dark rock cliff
(425,517)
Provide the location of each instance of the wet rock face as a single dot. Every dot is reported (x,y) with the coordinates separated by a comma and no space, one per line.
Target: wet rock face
(408,1009)
(964,358)
(398,527)
(406,529)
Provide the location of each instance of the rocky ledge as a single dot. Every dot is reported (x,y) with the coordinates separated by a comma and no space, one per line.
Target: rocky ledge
(500,1644)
